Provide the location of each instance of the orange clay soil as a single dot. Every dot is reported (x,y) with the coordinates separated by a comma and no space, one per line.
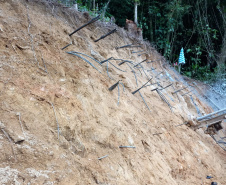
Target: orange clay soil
(41,86)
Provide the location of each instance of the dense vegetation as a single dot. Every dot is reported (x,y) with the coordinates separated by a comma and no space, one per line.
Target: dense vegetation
(199,26)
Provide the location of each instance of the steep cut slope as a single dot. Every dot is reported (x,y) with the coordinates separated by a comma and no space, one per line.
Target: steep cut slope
(42,86)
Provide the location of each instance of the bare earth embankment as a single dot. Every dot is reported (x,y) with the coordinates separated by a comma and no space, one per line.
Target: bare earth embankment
(42,86)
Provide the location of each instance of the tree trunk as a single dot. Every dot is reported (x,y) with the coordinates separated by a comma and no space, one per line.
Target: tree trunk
(222,56)
(168,35)
(89,5)
(150,26)
(167,44)
(94,6)
(135,12)
(221,62)
(105,8)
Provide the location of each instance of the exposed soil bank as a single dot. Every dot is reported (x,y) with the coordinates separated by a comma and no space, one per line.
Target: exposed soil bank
(42,86)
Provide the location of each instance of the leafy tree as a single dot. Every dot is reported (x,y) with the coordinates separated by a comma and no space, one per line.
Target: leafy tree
(197,25)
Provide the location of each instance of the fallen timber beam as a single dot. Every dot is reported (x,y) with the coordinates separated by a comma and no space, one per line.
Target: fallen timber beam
(134,92)
(112,58)
(91,21)
(113,86)
(109,33)
(106,60)
(222,111)
(166,86)
(66,46)
(124,61)
(212,120)
(140,62)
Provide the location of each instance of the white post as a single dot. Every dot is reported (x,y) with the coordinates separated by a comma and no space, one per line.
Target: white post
(75,6)
(94,6)
(179,67)
(135,12)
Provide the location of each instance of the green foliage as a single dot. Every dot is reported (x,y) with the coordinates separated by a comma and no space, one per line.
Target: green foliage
(198,26)
(202,73)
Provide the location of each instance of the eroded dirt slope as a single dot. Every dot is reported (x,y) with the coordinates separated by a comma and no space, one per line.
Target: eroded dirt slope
(42,86)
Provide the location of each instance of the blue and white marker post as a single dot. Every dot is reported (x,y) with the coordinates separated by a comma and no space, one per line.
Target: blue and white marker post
(181,59)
